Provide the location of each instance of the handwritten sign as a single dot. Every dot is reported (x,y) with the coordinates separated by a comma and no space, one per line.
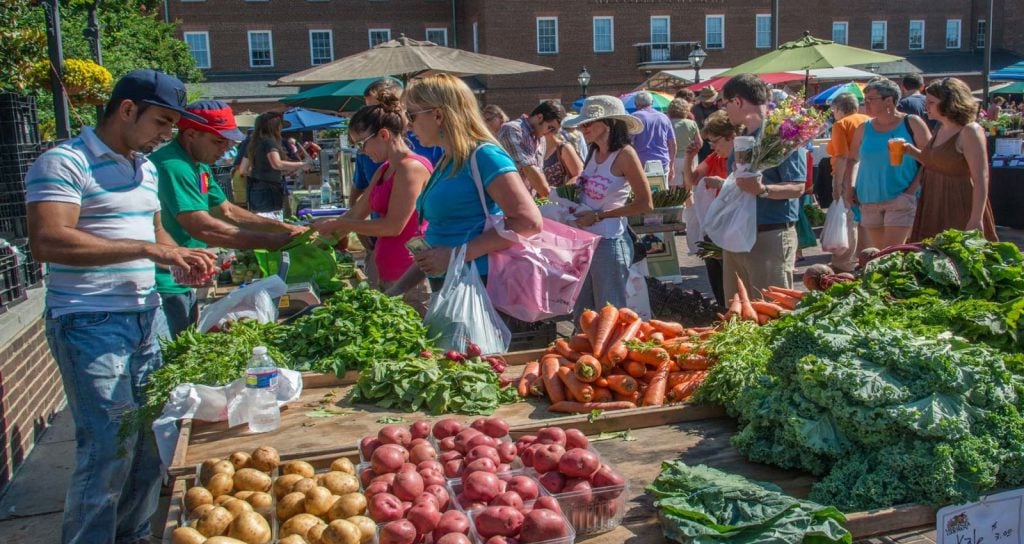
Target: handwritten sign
(995,519)
(1008,147)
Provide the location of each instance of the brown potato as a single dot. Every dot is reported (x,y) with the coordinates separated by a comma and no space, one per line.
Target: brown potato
(224,466)
(220,483)
(251,528)
(341,531)
(260,499)
(318,501)
(283,484)
(339,482)
(304,485)
(343,464)
(316,532)
(200,510)
(291,505)
(348,505)
(214,522)
(206,469)
(250,479)
(220,500)
(366,526)
(239,459)
(196,496)
(237,506)
(292,539)
(223,540)
(187,535)
(244,495)
(264,458)
(298,467)
(299,524)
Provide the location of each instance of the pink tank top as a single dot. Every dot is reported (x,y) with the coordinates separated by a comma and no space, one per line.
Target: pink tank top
(390,254)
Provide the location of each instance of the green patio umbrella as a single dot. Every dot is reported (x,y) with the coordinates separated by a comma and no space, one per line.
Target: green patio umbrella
(1012,88)
(341,96)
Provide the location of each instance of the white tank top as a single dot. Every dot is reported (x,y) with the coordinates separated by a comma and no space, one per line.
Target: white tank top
(602,191)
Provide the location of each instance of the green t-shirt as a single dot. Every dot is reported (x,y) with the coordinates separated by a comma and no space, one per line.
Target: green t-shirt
(184,186)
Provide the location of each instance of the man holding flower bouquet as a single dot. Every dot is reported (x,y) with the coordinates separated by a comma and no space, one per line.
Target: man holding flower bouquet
(775,174)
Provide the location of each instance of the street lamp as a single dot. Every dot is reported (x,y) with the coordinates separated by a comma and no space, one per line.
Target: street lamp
(697,56)
(584,79)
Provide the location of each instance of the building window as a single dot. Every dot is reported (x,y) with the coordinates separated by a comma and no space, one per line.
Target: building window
(952,33)
(199,45)
(476,37)
(878,35)
(438,36)
(714,32)
(916,35)
(979,40)
(379,36)
(763,32)
(321,46)
(840,32)
(547,35)
(660,37)
(261,49)
(604,34)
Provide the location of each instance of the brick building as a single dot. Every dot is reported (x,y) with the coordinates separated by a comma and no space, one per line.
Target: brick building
(243,43)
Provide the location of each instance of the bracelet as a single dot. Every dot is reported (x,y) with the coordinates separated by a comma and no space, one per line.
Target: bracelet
(597,216)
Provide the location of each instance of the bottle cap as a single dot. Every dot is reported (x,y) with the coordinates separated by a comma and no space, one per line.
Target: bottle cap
(259,350)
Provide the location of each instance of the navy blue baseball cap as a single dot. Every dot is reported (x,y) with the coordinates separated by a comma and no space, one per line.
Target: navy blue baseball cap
(156,88)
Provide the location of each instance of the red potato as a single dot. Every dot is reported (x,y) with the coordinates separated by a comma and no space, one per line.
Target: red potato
(525,486)
(453,468)
(398,532)
(481,452)
(469,504)
(579,463)
(542,524)
(420,429)
(498,520)
(551,435)
(426,496)
(525,441)
(582,489)
(388,458)
(394,434)
(574,438)
(495,427)
(421,453)
(386,478)
(432,476)
(606,476)
(547,502)
(463,438)
(449,455)
(417,441)
(477,424)
(483,464)
(407,467)
(452,522)
(441,494)
(499,539)
(526,455)
(376,488)
(447,444)
(508,498)
(547,457)
(553,481)
(506,452)
(367,476)
(407,485)
(504,467)
(384,507)
(453,538)
(406,505)
(481,486)
(480,440)
(432,463)
(446,427)
(425,516)
(367,445)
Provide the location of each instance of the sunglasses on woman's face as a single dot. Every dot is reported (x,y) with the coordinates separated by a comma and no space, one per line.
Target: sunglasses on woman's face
(362,143)
(411,115)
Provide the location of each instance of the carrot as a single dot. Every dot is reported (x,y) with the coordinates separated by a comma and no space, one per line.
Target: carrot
(549,374)
(677,346)
(580,343)
(563,349)
(574,388)
(530,373)
(603,394)
(587,407)
(646,330)
(676,378)
(693,362)
(735,307)
(537,388)
(788,292)
(785,301)
(601,382)
(587,319)
(670,329)
(627,316)
(653,356)
(767,308)
(603,329)
(635,369)
(657,337)
(587,369)
(622,384)
(655,394)
(747,312)
(763,319)
(617,351)
(681,389)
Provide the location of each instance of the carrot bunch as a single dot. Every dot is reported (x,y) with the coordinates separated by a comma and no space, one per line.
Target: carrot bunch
(777,301)
(619,361)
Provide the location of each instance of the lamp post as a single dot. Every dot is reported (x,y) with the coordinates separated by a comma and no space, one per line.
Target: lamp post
(584,80)
(697,56)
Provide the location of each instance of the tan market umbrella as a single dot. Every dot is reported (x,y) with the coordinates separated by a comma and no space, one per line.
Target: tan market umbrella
(407,58)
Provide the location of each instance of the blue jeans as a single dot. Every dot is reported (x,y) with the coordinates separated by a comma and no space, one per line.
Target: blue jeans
(105,359)
(609,273)
(181,310)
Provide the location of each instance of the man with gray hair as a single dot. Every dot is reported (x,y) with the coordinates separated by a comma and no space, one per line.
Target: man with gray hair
(657,142)
(844,110)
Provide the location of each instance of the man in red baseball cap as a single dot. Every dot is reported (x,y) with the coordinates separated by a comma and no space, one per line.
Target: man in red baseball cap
(194,209)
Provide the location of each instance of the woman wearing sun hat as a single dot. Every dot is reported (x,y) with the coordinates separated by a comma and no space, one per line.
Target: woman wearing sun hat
(612,172)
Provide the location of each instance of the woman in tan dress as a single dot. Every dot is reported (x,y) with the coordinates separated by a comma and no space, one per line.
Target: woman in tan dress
(954,178)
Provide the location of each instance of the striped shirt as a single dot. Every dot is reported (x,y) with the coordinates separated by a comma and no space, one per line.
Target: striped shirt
(118,200)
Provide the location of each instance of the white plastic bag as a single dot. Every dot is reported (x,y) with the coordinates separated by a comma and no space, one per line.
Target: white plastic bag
(834,238)
(731,222)
(696,215)
(461,312)
(255,301)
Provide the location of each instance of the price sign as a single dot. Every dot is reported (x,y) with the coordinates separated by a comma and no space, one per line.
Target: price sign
(995,519)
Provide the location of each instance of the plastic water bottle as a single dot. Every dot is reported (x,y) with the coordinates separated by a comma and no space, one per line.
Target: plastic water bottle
(326,195)
(261,392)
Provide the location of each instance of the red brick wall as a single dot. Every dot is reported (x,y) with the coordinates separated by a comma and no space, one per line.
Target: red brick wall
(31,392)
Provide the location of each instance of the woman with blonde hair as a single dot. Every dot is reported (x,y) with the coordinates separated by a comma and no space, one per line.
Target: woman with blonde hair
(494,117)
(266,191)
(442,111)
(954,180)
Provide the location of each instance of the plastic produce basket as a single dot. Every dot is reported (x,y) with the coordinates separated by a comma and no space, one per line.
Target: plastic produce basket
(602,511)
(568,539)
(455,485)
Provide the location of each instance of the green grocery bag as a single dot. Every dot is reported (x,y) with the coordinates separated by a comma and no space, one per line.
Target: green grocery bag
(312,259)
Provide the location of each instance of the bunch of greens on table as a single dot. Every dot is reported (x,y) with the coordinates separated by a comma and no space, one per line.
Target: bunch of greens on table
(905,387)
(701,505)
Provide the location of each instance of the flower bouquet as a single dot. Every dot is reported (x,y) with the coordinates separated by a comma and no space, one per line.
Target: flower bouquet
(789,125)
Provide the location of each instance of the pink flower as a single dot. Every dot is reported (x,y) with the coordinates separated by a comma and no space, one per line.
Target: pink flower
(788,130)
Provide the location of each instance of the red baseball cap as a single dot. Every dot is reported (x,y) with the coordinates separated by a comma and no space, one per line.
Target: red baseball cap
(217,119)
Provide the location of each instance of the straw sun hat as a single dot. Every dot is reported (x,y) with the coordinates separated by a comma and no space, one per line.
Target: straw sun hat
(600,107)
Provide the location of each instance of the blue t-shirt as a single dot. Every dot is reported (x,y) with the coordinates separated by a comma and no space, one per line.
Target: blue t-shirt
(877,180)
(450,203)
(365,168)
(792,169)
(433,154)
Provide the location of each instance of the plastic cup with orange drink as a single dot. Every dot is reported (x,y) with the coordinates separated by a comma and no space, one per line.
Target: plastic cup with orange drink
(896,151)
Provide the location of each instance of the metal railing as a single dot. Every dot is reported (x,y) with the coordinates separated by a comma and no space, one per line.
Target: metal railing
(666,53)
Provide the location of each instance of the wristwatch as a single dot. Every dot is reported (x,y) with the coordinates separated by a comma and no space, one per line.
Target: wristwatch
(764,193)
(597,216)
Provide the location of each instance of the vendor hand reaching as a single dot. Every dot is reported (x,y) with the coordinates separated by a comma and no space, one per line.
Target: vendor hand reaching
(434,261)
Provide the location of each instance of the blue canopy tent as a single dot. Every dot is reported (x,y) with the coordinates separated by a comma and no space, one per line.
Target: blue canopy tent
(1014,72)
(300,119)
(826,97)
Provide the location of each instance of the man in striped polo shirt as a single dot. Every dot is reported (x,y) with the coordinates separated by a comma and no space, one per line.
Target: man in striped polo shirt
(94,216)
